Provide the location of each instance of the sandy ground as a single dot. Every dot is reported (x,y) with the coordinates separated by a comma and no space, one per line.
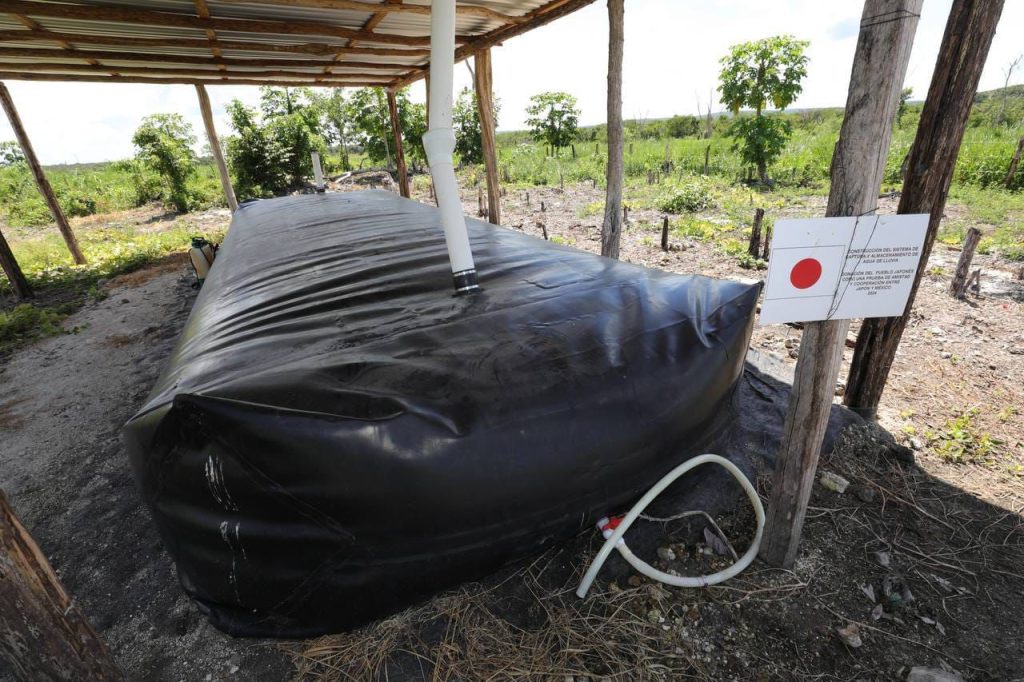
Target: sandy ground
(64,401)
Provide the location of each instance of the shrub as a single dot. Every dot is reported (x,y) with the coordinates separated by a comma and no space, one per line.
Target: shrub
(164,143)
(694,194)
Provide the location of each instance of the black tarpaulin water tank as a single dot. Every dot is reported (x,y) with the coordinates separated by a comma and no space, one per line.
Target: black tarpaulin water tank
(336,435)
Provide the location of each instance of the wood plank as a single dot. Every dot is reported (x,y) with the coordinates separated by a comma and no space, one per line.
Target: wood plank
(37,172)
(168,71)
(217,78)
(962,54)
(45,636)
(397,7)
(858,165)
(396,133)
(614,211)
(484,82)
(141,57)
(218,154)
(9,264)
(43,35)
(131,15)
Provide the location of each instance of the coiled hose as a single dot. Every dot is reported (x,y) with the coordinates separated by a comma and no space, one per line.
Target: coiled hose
(614,537)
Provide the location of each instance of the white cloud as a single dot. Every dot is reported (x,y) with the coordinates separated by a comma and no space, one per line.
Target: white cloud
(672,52)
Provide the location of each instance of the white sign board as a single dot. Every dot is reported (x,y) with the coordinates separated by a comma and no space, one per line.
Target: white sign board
(842,268)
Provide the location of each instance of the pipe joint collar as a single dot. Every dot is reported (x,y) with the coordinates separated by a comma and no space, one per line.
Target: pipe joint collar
(439,144)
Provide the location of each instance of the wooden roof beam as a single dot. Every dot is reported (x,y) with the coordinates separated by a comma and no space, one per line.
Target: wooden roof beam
(130,15)
(171,71)
(140,58)
(218,79)
(394,7)
(36,26)
(46,35)
(204,12)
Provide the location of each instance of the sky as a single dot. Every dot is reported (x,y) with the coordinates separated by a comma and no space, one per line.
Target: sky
(671,63)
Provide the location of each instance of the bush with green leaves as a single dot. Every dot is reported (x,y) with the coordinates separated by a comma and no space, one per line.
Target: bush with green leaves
(10,153)
(755,75)
(164,143)
(256,157)
(693,194)
(553,118)
(368,112)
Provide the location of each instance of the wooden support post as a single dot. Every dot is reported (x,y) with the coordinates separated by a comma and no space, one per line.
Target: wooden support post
(1014,162)
(19,285)
(707,159)
(485,109)
(754,248)
(396,135)
(963,267)
(767,242)
(218,153)
(41,181)
(43,635)
(664,234)
(611,229)
(962,54)
(879,67)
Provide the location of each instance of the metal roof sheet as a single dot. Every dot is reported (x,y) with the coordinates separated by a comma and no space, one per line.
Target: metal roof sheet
(311,42)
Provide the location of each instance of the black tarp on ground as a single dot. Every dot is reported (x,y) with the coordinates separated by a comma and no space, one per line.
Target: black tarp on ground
(336,435)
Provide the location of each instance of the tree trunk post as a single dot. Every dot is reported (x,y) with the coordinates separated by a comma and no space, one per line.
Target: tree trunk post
(37,171)
(879,67)
(611,229)
(963,267)
(484,82)
(962,55)
(1012,170)
(19,285)
(664,234)
(754,247)
(396,135)
(218,154)
(44,636)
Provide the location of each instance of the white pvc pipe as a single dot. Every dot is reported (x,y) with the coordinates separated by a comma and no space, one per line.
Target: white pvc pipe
(439,144)
(614,539)
(318,172)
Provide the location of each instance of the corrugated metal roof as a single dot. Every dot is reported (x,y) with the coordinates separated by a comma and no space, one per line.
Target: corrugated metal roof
(311,42)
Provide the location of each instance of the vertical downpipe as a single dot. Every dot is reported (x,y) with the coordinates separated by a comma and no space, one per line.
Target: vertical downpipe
(439,143)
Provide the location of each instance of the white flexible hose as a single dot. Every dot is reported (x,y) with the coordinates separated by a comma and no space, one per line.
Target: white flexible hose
(615,540)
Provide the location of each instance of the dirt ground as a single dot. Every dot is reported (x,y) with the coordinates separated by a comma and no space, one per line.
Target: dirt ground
(925,561)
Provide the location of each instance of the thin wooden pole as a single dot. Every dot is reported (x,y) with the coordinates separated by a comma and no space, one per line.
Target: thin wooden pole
(1012,170)
(485,109)
(396,133)
(45,636)
(611,229)
(218,154)
(958,287)
(962,54)
(37,171)
(19,285)
(879,67)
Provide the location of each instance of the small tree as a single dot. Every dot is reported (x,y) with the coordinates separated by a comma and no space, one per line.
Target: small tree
(257,159)
(468,136)
(755,75)
(905,95)
(10,154)
(553,118)
(367,109)
(164,143)
(337,129)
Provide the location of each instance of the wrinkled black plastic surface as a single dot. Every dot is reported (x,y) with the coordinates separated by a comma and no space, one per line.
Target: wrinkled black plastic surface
(337,435)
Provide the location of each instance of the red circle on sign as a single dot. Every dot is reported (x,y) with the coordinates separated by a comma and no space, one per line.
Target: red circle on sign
(806,273)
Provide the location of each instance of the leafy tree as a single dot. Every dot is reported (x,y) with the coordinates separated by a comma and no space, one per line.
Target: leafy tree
(905,95)
(164,143)
(757,75)
(553,118)
(256,157)
(336,126)
(683,126)
(10,154)
(371,123)
(468,135)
